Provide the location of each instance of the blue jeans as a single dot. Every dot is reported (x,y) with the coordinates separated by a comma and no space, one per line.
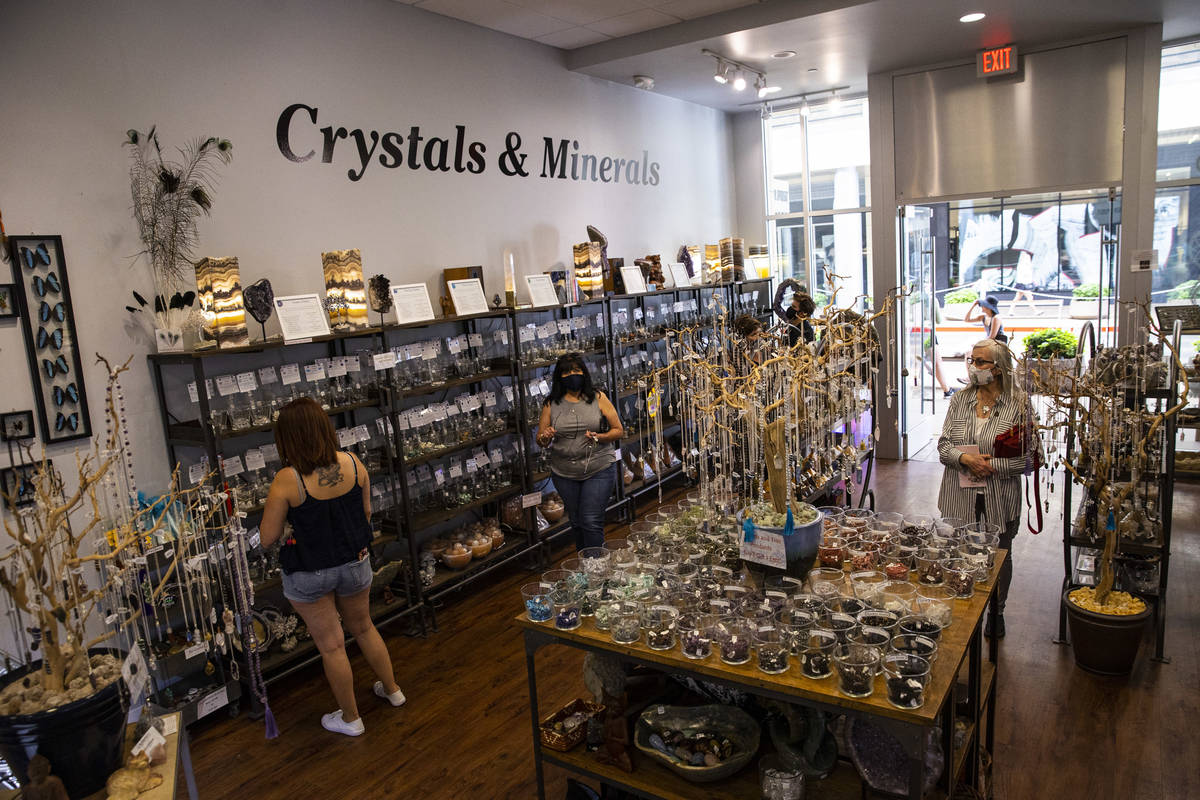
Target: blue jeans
(585,502)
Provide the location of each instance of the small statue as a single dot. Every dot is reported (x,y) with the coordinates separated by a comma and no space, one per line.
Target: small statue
(42,785)
(132,779)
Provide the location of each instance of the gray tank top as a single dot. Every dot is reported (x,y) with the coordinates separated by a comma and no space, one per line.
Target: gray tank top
(573,455)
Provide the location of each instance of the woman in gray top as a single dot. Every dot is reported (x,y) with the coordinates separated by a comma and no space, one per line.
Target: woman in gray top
(578,426)
(992,405)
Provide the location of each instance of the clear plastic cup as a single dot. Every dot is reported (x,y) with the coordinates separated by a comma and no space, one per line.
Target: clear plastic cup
(856,666)
(566,600)
(659,622)
(816,657)
(959,577)
(625,622)
(733,636)
(915,644)
(696,635)
(826,582)
(921,624)
(772,649)
(868,586)
(538,606)
(839,624)
(906,676)
(900,597)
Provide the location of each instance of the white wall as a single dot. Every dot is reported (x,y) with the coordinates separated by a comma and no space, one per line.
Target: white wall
(750,202)
(77,75)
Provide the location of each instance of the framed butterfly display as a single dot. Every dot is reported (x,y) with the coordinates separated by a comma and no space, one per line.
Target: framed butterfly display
(8,301)
(43,299)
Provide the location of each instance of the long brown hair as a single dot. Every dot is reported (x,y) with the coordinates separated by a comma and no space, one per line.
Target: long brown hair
(304,436)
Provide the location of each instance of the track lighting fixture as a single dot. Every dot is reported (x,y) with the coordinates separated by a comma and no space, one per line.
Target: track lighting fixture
(739,81)
(738,75)
(722,75)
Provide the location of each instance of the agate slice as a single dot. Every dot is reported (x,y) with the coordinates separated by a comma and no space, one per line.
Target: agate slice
(219,283)
(345,293)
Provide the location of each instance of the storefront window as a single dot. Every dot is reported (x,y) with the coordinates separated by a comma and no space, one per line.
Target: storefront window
(1176,230)
(818,199)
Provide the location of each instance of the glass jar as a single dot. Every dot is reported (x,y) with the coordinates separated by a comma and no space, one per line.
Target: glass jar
(625,622)
(696,635)
(566,607)
(732,635)
(659,622)
(772,649)
(868,586)
(815,657)
(862,554)
(915,644)
(929,565)
(538,607)
(831,552)
(826,583)
(856,666)
(779,782)
(879,618)
(959,577)
(920,624)
(839,624)
(906,676)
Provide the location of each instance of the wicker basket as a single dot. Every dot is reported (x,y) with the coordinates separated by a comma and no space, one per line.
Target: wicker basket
(565,741)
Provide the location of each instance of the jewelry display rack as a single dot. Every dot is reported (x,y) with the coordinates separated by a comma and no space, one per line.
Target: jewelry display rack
(1074,540)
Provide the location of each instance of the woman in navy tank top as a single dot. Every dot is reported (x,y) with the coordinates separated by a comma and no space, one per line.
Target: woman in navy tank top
(325,496)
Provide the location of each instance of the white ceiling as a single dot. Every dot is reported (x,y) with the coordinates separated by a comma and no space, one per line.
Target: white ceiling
(568,24)
(838,42)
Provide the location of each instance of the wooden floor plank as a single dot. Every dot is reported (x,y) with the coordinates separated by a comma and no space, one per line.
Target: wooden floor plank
(1061,733)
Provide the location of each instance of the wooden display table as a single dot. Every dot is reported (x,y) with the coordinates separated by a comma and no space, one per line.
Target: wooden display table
(960,654)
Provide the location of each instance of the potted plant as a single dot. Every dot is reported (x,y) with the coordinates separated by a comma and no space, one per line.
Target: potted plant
(1085,301)
(169,197)
(1105,411)
(958,302)
(1051,351)
(67,702)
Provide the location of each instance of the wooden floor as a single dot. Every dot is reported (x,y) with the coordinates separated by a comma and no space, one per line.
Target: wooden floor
(1061,733)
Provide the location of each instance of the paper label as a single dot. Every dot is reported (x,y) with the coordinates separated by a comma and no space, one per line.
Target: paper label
(352,363)
(564,327)
(267,376)
(314,372)
(454,345)
(527,333)
(196,472)
(195,650)
(255,539)
(502,336)
(344,438)
(149,742)
(211,702)
(193,394)
(456,470)
(255,459)
(767,548)
(489,399)
(361,433)
(270,452)
(231,466)
(965,479)
(246,382)
(289,374)
(530,500)
(439,476)
(475,340)
(337,367)
(134,673)
(227,385)
(384,360)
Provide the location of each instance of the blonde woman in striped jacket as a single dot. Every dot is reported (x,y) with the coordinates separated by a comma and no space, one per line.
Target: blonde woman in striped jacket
(991,405)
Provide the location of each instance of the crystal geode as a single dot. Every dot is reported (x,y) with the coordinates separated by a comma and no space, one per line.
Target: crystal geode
(260,299)
(379,294)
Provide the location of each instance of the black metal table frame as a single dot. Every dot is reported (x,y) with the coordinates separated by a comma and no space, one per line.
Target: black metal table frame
(911,736)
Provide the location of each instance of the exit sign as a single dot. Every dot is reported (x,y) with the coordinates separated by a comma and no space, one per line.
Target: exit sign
(997,61)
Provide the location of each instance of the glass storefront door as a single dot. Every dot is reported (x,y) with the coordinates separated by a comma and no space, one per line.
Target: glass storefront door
(917,320)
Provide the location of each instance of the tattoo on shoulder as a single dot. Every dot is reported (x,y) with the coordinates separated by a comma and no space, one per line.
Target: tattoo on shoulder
(329,476)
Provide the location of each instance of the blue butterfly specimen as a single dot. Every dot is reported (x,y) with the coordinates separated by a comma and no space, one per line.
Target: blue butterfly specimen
(63,394)
(58,312)
(31,257)
(48,284)
(67,421)
(51,367)
(55,338)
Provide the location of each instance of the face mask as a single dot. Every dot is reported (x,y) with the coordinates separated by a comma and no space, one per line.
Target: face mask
(980,377)
(573,383)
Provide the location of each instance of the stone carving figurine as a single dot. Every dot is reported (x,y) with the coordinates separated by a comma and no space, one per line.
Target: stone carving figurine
(42,785)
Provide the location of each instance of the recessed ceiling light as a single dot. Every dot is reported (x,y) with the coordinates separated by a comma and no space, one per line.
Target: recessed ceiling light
(812,69)
(974,16)
(643,82)
(784,54)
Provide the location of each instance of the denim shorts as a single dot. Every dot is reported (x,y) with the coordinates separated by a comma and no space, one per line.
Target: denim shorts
(309,587)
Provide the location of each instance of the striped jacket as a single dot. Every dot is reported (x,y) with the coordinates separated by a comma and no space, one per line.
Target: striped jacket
(1002,495)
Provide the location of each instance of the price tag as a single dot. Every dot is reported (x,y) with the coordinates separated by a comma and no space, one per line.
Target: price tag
(353,363)
(767,548)
(502,336)
(564,327)
(430,351)
(227,385)
(527,333)
(361,433)
(544,387)
(454,346)
(289,374)
(438,476)
(255,539)
(314,372)
(211,702)
(402,422)
(508,393)
(456,470)
(196,472)
(246,382)
(231,466)
(152,739)
(475,340)
(195,650)
(471,466)
(337,367)
(637,313)
(489,399)
(482,460)
(193,395)
(651,313)
(447,411)
(579,323)
(267,376)
(344,438)
(255,459)
(530,500)
(384,360)
(600,321)
(270,452)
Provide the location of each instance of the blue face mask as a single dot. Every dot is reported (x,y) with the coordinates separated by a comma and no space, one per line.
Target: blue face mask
(573,383)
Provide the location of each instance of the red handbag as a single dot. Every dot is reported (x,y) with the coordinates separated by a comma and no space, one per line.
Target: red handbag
(1022,441)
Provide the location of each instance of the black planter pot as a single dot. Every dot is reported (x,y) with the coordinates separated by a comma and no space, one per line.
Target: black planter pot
(1105,644)
(83,741)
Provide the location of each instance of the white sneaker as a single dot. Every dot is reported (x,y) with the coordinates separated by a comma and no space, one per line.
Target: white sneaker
(334,722)
(397,699)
